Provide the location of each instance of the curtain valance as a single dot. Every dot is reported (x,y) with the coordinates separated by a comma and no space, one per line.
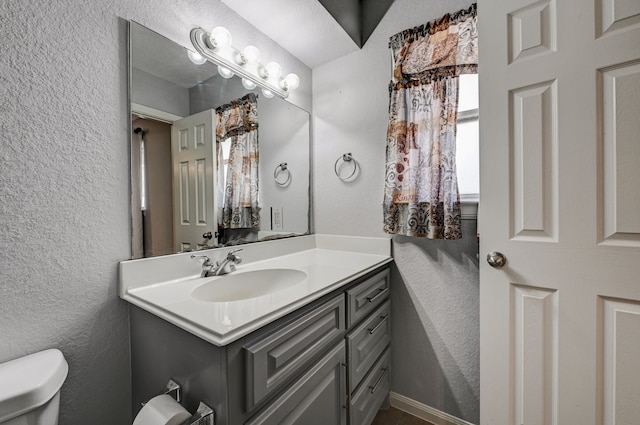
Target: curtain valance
(237,117)
(444,47)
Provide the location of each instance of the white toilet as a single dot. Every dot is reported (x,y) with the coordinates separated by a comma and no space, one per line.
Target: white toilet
(30,388)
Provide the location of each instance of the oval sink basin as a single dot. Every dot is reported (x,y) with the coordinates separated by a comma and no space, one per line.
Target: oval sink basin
(246,285)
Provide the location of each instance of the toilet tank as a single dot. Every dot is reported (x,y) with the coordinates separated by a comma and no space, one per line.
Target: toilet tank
(30,388)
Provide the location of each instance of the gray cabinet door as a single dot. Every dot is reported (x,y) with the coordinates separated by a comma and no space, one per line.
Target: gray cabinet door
(367,342)
(274,360)
(317,398)
(365,297)
(366,402)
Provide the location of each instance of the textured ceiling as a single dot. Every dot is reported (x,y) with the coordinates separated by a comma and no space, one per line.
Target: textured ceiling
(303,27)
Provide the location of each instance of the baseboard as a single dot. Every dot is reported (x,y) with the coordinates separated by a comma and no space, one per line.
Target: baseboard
(422,411)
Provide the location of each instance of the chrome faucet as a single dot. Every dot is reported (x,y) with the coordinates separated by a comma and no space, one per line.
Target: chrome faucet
(225,266)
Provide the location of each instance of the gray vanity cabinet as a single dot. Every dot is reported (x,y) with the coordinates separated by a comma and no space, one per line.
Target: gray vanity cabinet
(273,360)
(368,351)
(316,398)
(326,363)
(370,395)
(362,299)
(367,342)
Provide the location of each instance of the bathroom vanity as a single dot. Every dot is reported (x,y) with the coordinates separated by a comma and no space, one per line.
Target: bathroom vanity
(315,352)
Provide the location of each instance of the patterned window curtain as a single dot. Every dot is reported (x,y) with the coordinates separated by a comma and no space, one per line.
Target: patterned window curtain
(239,121)
(421,188)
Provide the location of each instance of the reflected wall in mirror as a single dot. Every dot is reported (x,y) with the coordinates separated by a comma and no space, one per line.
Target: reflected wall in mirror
(179,184)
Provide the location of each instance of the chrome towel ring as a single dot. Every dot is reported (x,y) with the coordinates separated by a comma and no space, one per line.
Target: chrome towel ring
(282,175)
(347,158)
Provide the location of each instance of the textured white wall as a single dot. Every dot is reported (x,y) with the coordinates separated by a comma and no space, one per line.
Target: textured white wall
(435,285)
(64,181)
(435,327)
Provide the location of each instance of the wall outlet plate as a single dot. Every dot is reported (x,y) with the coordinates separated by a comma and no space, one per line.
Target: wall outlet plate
(277,218)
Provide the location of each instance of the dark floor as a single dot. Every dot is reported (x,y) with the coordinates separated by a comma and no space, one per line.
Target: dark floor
(393,416)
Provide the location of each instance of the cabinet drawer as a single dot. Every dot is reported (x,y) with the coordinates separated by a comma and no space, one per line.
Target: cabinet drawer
(317,398)
(367,342)
(364,298)
(366,402)
(273,360)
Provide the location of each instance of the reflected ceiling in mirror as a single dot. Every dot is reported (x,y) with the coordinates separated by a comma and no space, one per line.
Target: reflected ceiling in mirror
(168,90)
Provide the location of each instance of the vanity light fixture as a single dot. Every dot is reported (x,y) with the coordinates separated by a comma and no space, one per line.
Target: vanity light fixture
(251,54)
(225,72)
(248,84)
(220,37)
(216,47)
(196,57)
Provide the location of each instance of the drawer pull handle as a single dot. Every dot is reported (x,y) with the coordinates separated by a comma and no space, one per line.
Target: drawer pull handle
(382,320)
(381,292)
(375,386)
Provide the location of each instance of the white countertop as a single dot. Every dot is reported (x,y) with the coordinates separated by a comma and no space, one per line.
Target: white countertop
(327,267)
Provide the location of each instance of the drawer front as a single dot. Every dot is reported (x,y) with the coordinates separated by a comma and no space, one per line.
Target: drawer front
(364,298)
(316,398)
(275,359)
(367,342)
(366,402)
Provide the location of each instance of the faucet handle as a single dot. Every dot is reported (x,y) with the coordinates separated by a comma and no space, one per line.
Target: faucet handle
(207,260)
(232,257)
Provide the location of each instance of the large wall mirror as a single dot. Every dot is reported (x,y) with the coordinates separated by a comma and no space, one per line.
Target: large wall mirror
(197,183)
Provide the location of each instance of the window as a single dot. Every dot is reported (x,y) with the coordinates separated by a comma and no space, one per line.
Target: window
(467,140)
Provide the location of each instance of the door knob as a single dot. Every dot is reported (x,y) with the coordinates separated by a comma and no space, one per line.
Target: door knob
(496,259)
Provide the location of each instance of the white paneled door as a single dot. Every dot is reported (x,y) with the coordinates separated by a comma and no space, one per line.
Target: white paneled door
(193,156)
(560,189)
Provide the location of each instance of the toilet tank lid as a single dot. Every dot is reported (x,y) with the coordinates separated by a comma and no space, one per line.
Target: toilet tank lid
(31,381)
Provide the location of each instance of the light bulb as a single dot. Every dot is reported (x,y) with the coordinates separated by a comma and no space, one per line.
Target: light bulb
(267,93)
(251,53)
(293,81)
(248,84)
(224,72)
(196,57)
(274,70)
(263,72)
(241,59)
(220,37)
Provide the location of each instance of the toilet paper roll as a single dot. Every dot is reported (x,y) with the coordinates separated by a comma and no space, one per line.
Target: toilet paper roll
(162,410)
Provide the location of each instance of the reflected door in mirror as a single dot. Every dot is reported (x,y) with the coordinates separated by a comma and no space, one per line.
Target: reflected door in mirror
(193,158)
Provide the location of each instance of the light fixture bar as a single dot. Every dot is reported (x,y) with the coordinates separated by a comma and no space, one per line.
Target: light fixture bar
(199,39)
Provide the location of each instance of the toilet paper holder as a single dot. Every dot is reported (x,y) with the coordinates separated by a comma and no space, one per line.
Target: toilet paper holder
(205,415)
(174,390)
